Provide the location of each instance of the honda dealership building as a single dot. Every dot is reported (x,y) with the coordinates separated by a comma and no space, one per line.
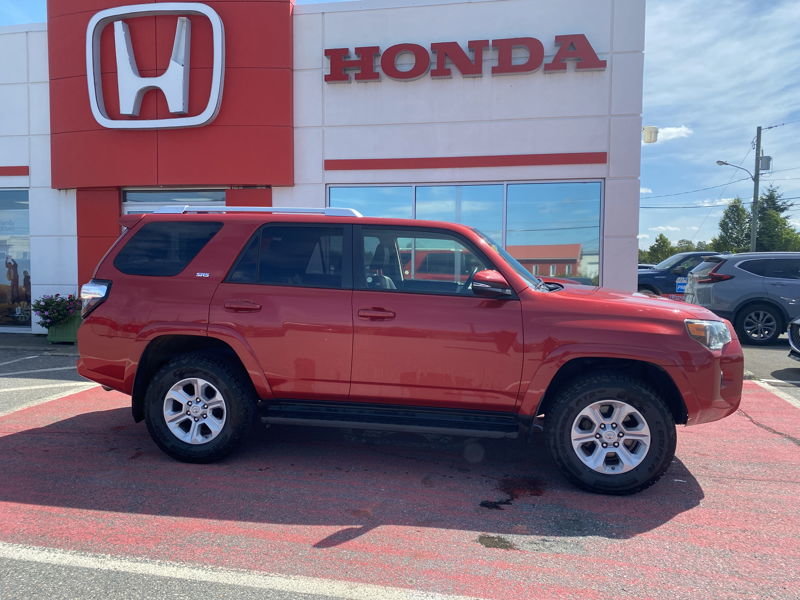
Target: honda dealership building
(519,117)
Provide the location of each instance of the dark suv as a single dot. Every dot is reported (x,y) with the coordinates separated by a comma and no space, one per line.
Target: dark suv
(323,317)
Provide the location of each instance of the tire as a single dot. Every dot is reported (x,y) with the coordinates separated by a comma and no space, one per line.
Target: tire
(209,403)
(618,409)
(648,290)
(759,324)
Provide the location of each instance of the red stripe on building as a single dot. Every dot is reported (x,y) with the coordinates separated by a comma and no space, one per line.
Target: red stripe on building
(460,162)
(14,171)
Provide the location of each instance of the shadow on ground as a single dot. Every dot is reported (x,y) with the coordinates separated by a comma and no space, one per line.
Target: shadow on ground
(309,476)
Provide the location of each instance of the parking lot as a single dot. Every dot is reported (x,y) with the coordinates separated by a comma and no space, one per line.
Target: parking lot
(89,507)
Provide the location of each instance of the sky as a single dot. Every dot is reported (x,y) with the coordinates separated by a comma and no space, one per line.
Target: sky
(714,71)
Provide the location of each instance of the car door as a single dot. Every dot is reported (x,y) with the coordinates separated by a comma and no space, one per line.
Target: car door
(289,295)
(782,284)
(423,338)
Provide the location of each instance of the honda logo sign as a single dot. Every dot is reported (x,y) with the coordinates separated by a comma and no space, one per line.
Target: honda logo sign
(173,82)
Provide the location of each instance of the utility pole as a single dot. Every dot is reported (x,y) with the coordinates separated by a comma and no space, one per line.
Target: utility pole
(756,172)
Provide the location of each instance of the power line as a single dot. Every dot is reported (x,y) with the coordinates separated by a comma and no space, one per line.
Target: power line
(744,203)
(697,190)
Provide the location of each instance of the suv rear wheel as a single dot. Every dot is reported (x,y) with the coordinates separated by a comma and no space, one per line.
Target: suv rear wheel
(610,434)
(759,324)
(198,408)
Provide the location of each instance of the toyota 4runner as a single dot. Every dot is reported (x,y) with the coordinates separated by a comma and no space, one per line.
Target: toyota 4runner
(207,318)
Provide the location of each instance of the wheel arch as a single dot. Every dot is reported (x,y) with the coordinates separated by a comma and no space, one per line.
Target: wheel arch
(161,350)
(769,302)
(647,372)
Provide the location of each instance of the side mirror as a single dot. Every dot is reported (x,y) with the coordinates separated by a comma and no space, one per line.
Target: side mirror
(679,270)
(491,284)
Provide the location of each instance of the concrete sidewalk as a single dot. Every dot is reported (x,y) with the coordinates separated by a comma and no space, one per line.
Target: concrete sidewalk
(35,343)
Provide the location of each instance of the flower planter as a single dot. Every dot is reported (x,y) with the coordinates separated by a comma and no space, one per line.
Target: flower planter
(64,332)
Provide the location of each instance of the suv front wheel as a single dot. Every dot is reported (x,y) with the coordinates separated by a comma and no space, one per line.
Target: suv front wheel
(610,434)
(199,408)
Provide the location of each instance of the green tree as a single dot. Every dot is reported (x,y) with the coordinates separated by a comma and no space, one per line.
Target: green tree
(661,249)
(685,246)
(775,232)
(734,229)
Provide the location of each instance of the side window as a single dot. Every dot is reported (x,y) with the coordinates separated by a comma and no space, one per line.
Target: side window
(784,268)
(425,262)
(164,249)
(756,267)
(292,255)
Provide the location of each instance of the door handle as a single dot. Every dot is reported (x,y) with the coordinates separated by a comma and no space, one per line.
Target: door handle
(376,314)
(242,306)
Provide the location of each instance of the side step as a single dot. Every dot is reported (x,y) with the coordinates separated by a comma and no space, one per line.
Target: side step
(393,418)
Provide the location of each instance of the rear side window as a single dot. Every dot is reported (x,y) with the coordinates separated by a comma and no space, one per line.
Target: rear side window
(165,248)
(303,256)
(756,267)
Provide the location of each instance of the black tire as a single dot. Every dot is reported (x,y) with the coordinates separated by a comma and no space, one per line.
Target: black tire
(632,397)
(230,407)
(759,324)
(648,290)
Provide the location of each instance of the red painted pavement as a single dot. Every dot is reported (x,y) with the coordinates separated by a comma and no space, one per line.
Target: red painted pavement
(404,510)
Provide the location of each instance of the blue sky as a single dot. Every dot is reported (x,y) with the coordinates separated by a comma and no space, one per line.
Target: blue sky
(714,71)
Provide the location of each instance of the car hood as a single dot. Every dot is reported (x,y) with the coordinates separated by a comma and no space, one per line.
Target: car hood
(615,302)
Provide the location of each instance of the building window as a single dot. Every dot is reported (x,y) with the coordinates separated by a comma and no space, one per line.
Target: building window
(146,201)
(15,290)
(553,223)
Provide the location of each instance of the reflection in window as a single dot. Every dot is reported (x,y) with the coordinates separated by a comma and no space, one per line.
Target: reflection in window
(478,206)
(375,201)
(556,224)
(551,228)
(15,288)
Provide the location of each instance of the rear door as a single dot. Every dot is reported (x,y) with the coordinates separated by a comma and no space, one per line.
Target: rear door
(423,338)
(289,295)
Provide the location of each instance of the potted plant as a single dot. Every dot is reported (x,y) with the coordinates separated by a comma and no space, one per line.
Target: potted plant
(61,315)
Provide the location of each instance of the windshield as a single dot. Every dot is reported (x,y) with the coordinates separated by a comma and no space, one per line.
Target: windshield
(535,282)
(673,260)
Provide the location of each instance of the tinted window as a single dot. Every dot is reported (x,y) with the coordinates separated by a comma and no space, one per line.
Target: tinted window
(165,248)
(784,268)
(305,256)
(756,267)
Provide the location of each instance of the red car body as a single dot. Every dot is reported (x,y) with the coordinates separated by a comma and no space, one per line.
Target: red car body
(400,349)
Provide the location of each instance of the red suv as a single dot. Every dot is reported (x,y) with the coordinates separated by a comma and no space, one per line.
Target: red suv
(313,316)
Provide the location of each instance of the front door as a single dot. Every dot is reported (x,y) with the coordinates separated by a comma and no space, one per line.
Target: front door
(420,335)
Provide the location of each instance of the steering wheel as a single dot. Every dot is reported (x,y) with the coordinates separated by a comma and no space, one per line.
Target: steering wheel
(470,278)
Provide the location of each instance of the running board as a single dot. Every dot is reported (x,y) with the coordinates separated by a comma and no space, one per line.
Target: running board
(393,418)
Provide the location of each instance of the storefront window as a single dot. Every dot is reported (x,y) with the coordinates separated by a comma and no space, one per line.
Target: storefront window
(146,201)
(556,224)
(551,228)
(15,288)
(376,201)
(479,206)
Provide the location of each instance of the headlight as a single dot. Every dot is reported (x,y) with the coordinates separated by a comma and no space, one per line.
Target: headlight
(712,334)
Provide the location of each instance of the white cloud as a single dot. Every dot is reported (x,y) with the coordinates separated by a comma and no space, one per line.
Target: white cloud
(664,228)
(644,190)
(666,134)
(693,228)
(642,236)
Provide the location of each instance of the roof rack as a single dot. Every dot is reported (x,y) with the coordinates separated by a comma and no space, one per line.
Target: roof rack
(328,211)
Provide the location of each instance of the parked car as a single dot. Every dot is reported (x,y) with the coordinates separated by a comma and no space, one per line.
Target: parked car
(668,278)
(759,292)
(794,339)
(207,319)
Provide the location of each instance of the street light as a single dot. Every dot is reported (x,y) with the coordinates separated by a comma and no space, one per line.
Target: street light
(754,177)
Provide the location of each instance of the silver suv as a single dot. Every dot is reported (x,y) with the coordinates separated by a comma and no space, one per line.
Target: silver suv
(759,292)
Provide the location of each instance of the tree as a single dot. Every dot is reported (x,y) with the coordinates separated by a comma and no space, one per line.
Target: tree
(661,249)
(734,229)
(775,232)
(685,246)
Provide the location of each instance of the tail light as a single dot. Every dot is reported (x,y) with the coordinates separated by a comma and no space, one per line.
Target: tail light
(713,277)
(93,294)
